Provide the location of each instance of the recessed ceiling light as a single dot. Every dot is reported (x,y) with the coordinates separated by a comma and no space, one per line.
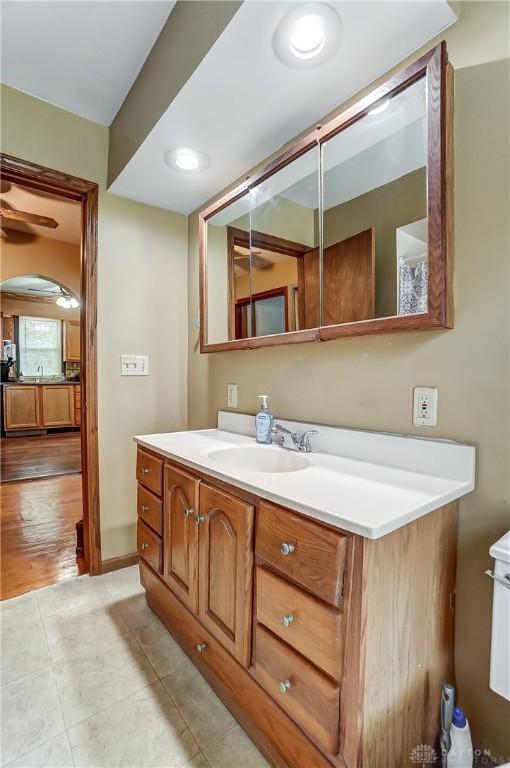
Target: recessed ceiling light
(377,110)
(186,159)
(307,35)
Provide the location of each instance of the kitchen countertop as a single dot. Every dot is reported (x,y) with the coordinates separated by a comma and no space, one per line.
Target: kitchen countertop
(368,483)
(35,383)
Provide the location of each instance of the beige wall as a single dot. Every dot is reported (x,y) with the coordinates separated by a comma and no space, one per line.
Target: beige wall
(385,208)
(368,382)
(142,303)
(40,256)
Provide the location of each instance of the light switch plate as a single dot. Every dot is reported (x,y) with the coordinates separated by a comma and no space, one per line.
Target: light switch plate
(134,365)
(232,395)
(425,406)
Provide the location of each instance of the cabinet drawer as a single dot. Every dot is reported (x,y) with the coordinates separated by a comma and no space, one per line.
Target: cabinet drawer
(149,546)
(299,688)
(308,553)
(150,509)
(309,626)
(149,471)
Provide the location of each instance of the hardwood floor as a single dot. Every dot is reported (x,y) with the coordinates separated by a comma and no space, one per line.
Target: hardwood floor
(37,533)
(41,456)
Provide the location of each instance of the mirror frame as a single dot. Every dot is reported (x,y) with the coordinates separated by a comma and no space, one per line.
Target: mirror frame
(438,73)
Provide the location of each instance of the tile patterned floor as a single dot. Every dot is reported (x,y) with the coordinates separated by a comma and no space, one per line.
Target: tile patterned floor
(114,691)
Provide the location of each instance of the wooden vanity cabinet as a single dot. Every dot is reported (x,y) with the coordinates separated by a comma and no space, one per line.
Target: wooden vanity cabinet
(329,648)
(226,569)
(181,507)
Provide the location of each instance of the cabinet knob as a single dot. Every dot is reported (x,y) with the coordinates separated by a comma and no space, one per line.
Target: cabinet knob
(145,545)
(201,647)
(188,511)
(145,508)
(287,549)
(144,471)
(199,518)
(287,619)
(284,686)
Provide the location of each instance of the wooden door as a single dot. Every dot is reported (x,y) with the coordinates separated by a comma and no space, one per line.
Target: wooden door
(72,341)
(308,290)
(180,534)
(57,405)
(21,407)
(348,292)
(226,569)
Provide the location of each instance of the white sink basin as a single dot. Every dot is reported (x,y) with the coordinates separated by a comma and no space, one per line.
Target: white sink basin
(258,458)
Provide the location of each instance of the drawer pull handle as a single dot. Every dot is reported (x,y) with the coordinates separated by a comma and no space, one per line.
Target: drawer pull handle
(201,647)
(145,508)
(145,545)
(287,549)
(199,518)
(188,511)
(287,620)
(144,471)
(284,686)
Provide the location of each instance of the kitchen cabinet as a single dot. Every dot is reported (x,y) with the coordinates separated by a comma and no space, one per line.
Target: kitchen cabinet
(77,405)
(57,405)
(21,407)
(40,406)
(312,636)
(71,341)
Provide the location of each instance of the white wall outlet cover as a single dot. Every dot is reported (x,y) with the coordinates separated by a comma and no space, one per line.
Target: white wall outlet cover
(232,395)
(425,406)
(134,365)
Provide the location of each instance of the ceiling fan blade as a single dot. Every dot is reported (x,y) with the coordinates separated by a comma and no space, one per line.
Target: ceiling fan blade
(27,218)
(43,290)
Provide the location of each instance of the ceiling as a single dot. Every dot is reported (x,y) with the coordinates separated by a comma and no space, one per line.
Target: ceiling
(66,212)
(241,103)
(31,286)
(81,56)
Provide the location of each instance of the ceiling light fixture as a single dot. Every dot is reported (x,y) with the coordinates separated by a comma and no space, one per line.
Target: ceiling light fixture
(381,108)
(186,159)
(67,302)
(308,35)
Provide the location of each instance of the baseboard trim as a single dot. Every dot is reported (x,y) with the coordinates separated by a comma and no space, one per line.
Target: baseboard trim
(114,563)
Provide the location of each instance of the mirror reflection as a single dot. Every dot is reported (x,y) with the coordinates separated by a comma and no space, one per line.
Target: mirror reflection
(375,213)
(284,271)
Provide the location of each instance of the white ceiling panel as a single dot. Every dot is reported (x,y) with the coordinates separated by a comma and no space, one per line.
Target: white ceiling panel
(241,104)
(80,55)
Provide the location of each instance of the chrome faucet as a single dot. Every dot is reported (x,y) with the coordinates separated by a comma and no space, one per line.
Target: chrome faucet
(300,440)
(41,369)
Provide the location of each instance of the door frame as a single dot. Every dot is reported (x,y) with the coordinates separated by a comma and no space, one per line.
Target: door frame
(86,193)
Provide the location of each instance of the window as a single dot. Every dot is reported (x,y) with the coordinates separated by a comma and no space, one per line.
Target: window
(40,343)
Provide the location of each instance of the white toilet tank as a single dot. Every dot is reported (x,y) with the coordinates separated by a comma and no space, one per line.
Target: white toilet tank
(500,645)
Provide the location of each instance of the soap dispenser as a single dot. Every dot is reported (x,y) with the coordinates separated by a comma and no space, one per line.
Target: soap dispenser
(264,421)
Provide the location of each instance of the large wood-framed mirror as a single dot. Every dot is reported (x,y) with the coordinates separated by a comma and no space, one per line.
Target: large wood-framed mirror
(346,233)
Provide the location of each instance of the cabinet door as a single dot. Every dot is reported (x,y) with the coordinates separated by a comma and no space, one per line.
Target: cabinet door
(21,407)
(226,569)
(180,535)
(57,405)
(72,341)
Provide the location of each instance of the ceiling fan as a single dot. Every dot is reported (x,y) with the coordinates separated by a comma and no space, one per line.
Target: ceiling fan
(258,261)
(27,218)
(65,299)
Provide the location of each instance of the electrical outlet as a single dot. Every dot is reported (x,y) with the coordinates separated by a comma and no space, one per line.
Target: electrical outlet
(425,406)
(232,395)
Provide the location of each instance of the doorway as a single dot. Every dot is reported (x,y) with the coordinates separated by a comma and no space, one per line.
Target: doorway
(49,462)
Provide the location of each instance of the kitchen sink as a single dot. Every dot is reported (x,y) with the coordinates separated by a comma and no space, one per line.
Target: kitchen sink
(259,458)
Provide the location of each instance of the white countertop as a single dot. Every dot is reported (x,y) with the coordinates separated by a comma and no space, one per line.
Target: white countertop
(367,483)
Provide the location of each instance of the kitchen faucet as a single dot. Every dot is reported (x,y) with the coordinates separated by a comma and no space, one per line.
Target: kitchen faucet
(300,440)
(41,369)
